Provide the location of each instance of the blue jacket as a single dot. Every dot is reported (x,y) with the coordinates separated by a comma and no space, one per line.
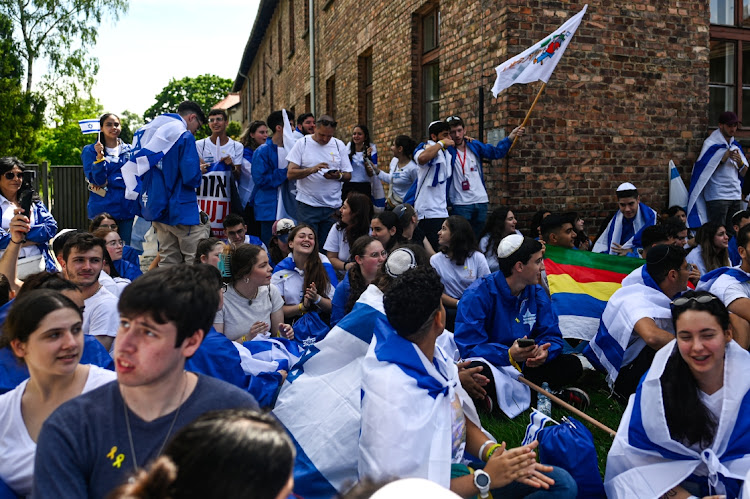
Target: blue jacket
(44,229)
(127,269)
(179,176)
(108,173)
(338,302)
(267,177)
(490,319)
(734,254)
(482,151)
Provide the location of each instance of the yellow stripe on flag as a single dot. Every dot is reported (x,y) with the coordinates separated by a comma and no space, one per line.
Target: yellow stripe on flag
(563,283)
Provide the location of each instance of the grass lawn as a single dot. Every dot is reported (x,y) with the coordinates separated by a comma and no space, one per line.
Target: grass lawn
(605,409)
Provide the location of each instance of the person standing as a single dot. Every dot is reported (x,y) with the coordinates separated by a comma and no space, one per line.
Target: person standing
(715,184)
(320,164)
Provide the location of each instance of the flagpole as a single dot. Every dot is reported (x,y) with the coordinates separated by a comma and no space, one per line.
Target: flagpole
(567,406)
(544,84)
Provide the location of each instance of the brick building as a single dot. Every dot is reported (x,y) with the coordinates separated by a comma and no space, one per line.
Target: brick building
(641,83)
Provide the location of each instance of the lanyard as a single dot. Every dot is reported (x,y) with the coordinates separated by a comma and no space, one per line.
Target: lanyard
(462,162)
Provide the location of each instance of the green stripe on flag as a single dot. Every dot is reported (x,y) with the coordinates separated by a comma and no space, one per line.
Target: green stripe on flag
(613,263)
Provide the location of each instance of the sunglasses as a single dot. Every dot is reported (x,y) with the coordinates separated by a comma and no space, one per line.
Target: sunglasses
(214,120)
(679,302)
(12,175)
(333,124)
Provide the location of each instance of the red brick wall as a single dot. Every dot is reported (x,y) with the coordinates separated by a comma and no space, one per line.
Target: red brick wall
(630,94)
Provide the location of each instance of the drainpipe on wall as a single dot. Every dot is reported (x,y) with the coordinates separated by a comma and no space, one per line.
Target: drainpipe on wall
(311,35)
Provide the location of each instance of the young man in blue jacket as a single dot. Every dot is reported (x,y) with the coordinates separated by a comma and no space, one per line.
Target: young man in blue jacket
(467,192)
(501,311)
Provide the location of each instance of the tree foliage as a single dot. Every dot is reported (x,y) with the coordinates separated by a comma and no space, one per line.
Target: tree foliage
(206,90)
(60,31)
(63,144)
(21,113)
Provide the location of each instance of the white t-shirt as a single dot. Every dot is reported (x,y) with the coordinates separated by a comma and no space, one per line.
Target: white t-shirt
(724,184)
(430,201)
(291,282)
(336,243)
(456,278)
(490,256)
(401,179)
(696,258)
(359,174)
(211,152)
(100,315)
(316,190)
(728,289)
(109,283)
(16,446)
(238,316)
(470,171)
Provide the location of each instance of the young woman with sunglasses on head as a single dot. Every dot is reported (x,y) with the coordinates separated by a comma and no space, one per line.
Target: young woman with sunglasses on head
(684,432)
(102,165)
(34,255)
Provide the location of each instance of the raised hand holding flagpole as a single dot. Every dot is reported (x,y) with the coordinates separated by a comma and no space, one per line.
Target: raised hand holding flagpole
(537,62)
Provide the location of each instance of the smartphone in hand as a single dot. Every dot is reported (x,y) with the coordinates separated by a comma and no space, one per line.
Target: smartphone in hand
(26,193)
(525,342)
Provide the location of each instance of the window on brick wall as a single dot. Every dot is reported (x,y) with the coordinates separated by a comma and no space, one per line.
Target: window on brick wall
(331,96)
(365,107)
(291,26)
(426,54)
(729,59)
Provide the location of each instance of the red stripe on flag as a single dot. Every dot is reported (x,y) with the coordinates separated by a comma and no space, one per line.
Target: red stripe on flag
(582,274)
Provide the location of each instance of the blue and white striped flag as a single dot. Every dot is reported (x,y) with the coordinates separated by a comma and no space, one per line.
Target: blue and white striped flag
(538,420)
(678,193)
(89,126)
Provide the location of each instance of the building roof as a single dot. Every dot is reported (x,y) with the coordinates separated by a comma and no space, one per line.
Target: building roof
(228,102)
(262,20)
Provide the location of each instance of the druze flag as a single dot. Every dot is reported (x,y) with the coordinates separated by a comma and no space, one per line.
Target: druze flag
(538,62)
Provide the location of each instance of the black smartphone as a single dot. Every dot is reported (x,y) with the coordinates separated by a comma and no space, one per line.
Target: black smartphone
(101,137)
(525,342)
(26,193)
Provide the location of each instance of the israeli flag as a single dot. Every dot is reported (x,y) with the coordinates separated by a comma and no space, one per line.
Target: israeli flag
(678,193)
(89,126)
(538,420)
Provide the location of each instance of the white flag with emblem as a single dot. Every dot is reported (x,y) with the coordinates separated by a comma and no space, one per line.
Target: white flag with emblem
(538,420)
(538,62)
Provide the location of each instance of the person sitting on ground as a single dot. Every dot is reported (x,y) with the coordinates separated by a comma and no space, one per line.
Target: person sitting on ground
(402,171)
(501,223)
(732,286)
(114,247)
(356,213)
(408,377)
(637,321)
(385,227)
(711,252)
(209,251)
(235,231)
(49,342)
(409,220)
(535,231)
(459,263)
(164,317)
(620,233)
(106,221)
(556,230)
(109,269)
(305,278)
(684,433)
(650,237)
(504,307)
(369,255)
(246,453)
(677,232)
(739,220)
(278,246)
(252,306)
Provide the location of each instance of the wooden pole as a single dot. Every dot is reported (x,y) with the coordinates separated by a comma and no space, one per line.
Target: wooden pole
(527,115)
(567,406)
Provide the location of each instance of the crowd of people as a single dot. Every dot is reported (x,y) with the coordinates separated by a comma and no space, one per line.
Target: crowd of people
(305,331)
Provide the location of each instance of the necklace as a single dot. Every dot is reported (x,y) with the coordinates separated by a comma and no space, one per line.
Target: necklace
(166,437)
(248,298)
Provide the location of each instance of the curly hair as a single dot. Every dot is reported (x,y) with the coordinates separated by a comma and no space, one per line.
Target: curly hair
(412,301)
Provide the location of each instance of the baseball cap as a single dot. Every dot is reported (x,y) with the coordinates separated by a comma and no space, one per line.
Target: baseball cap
(728,118)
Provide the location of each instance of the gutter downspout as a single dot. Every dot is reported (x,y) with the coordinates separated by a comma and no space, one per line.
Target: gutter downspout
(311,25)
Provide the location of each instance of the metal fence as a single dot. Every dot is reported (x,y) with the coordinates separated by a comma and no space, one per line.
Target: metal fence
(69,197)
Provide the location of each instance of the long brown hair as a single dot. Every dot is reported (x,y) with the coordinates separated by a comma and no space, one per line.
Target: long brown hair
(315,272)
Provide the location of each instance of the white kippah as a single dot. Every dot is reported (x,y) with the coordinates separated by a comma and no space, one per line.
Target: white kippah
(400,261)
(626,186)
(413,487)
(509,245)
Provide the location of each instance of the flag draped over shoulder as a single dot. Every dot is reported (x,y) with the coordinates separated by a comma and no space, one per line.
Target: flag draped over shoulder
(286,204)
(537,62)
(89,126)
(580,283)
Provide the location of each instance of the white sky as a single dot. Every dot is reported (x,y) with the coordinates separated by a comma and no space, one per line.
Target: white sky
(159,40)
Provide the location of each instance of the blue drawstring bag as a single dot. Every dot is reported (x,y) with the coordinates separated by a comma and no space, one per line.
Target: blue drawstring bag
(310,328)
(570,446)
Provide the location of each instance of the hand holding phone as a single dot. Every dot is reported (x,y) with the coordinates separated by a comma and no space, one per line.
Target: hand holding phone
(26,193)
(525,342)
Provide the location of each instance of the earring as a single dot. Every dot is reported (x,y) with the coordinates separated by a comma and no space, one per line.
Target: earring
(246,279)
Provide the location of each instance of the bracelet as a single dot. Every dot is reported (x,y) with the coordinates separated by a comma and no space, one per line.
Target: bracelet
(492,450)
(19,242)
(318,300)
(302,308)
(513,362)
(484,445)
(341,174)
(442,145)
(98,161)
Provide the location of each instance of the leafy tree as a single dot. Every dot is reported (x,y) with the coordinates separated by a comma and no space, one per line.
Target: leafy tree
(129,122)
(60,31)
(21,113)
(234,130)
(206,90)
(63,144)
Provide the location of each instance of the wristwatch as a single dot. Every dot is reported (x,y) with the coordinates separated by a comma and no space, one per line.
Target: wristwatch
(482,482)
